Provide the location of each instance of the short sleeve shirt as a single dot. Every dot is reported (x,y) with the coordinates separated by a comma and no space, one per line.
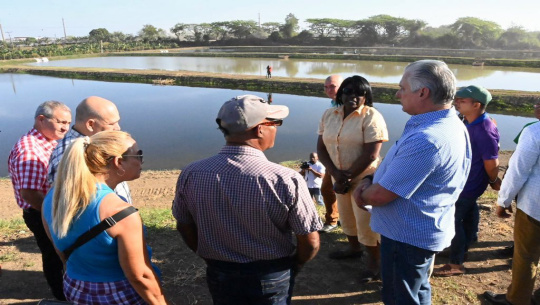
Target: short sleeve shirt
(27,164)
(344,138)
(311,180)
(484,137)
(427,168)
(245,207)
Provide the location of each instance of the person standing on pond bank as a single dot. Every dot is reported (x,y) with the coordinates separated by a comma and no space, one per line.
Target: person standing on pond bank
(313,172)
(331,215)
(249,249)
(268,71)
(350,138)
(27,164)
(414,190)
(471,102)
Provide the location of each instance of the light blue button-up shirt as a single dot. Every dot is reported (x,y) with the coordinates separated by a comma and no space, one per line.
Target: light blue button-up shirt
(427,168)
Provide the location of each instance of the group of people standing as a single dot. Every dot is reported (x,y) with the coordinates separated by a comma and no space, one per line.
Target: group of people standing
(254,222)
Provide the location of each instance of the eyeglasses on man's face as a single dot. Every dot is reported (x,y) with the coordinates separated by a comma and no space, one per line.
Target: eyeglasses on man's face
(139,155)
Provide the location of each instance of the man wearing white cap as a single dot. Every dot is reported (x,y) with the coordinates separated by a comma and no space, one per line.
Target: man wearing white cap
(237,210)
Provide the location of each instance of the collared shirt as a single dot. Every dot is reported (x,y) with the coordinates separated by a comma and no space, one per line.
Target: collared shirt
(245,207)
(484,137)
(311,180)
(58,152)
(344,138)
(122,189)
(523,175)
(27,164)
(427,169)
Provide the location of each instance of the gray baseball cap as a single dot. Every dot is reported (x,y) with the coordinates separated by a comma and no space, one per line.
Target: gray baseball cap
(246,111)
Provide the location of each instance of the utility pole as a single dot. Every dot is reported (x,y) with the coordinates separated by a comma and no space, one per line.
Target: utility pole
(259,20)
(65,36)
(1,30)
(10,40)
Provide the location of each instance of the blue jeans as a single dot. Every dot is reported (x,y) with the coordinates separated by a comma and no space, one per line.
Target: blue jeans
(316,193)
(269,283)
(405,273)
(466,223)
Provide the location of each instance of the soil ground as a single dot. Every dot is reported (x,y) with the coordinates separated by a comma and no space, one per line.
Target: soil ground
(322,281)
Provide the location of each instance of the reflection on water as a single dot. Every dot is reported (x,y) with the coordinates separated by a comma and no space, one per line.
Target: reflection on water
(375,71)
(176,125)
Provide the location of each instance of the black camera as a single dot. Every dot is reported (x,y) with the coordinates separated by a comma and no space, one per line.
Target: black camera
(304,165)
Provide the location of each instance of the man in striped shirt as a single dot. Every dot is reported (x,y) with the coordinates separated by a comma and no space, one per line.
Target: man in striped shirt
(414,190)
(239,211)
(93,114)
(27,165)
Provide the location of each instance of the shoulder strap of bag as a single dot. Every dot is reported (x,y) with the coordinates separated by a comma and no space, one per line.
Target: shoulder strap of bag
(97,229)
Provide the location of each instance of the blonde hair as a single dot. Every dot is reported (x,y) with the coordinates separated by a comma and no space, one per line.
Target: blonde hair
(75,185)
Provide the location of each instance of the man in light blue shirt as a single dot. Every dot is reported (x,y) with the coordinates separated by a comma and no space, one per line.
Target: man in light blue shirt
(414,190)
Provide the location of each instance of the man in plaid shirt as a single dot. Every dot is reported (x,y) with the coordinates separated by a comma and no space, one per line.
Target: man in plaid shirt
(27,165)
(240,212)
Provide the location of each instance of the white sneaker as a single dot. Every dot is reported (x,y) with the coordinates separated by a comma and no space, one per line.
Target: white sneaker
(328,228)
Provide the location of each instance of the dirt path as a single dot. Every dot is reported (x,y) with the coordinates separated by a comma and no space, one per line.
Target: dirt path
(323,281)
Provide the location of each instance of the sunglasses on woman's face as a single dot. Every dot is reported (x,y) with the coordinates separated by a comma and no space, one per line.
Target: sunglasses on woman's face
(351,91)
(139,155)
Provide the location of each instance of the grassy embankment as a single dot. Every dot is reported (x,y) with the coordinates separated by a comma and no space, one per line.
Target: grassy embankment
(504,101)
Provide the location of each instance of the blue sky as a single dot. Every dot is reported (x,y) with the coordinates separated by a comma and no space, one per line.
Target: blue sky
(40,18)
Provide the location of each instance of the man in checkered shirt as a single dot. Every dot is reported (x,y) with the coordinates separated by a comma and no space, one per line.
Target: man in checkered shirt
(27,165)
(240,212)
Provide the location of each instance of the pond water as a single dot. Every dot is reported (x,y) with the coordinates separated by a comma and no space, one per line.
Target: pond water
(176,125)
(509,78)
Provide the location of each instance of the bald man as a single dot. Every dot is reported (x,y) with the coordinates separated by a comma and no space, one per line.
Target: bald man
(331,86)
(93,114)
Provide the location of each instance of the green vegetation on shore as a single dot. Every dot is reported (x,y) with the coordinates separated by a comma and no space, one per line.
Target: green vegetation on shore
(504,101)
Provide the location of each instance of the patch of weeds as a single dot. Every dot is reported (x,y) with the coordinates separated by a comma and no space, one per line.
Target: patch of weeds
(294,164)
(157,218)
(10,256)
(29,264)
(7,227)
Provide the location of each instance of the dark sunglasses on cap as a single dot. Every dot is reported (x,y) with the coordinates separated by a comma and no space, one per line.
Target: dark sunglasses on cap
(139,155)
(351,91)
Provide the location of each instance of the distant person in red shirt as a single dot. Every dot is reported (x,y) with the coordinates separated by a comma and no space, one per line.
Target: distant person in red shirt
(268,71)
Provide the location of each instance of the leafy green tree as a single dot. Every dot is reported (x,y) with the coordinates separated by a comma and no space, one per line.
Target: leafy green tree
(118,37)
(180,30)
(476,33)
(321,27)
(241,29)
(149,33)
(290,27)
(271,27)
(100,34)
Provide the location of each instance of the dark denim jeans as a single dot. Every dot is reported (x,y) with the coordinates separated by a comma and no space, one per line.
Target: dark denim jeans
(269,283)
(466,223)
(52,265)
(405,273)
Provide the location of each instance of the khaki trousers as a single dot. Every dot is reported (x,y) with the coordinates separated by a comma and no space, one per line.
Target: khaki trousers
(525,261)
(329,197)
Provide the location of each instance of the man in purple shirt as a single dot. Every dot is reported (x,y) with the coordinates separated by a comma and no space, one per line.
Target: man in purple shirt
(239,211)
(471,102)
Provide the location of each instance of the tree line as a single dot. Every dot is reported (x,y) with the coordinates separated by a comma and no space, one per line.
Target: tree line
(379,30)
